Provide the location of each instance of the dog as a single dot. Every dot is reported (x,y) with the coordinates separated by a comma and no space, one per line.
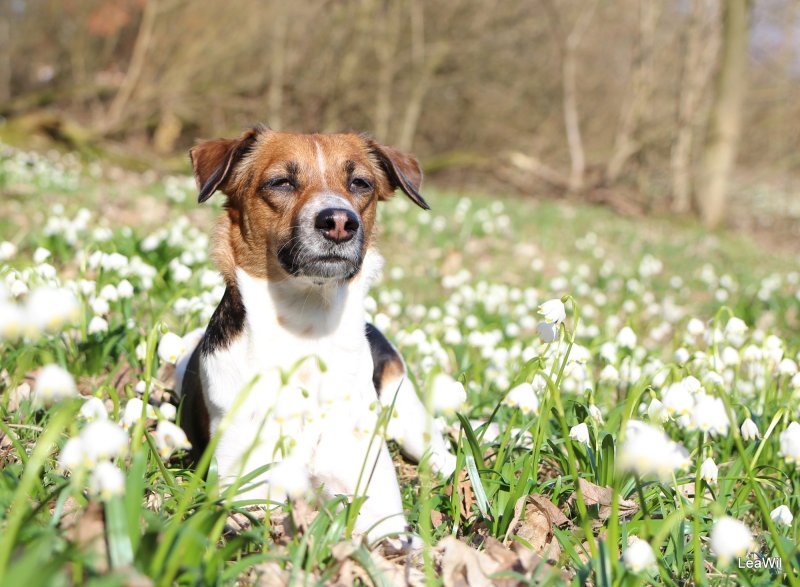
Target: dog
(288,367)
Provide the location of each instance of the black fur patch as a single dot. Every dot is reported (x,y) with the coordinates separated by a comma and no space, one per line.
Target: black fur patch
(226,323)
(194,413)
(384,357)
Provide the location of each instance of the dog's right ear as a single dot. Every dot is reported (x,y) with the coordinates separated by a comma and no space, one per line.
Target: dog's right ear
(213,161)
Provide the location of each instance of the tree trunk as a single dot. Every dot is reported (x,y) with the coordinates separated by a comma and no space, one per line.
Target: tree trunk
(725,118)
(5,59)
(387,24)
(425,63)
(627,141)
(135,67)
(277,63)
(569,69)
(702,43)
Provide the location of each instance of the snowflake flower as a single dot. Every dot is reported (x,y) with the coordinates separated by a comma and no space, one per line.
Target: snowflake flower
(729,539)
(448,395)
(638,556)
(54,384)
(553,311)
(169,438)
(709,471)
(782,515)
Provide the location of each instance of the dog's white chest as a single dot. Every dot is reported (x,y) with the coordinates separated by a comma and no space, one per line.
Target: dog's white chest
(300,365)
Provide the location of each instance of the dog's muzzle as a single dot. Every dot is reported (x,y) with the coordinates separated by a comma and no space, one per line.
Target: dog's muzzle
(326,242)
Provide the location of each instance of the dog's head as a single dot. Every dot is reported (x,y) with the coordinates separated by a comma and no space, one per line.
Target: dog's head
(300,205)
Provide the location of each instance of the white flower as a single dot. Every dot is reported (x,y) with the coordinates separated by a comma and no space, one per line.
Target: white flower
(97,325)
(647,450)
(782,515)
(94,409)
(13,322)
(169,438)
(692,384)
(50,309)
(750,430)
(657,412)
(53,384)
(609,374)
(40,255)
(787,367)
(288,478)
(72,455)
(580,433)
(124,289)
(638,556)
(103,440)
(523,397)
(709,415)
(109,293)
(113,261)
(168,411)
(548,332)
(17,288)
(695,327)
(447,395)
(7,250)
(752,354)
(106,481)
(553,311)
(596,414)
(626,338)
(181,273)
(681,356)
(730,356)
(171,348)
(677,400)
(729,539)
(709,471)
(100,306)
(141,351)
(133,412)
(790,443)
(735,331)
(795,382)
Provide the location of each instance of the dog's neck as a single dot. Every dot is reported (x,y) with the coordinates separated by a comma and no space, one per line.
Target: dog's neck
(308,308)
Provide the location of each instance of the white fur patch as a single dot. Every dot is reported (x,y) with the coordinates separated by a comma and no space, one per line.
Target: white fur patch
(321,165)
(304,362)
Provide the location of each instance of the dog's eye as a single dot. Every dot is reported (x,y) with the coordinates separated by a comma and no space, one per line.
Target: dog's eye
(279,183)
(359,184)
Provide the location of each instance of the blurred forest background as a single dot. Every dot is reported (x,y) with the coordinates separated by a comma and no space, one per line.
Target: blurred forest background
(649,106)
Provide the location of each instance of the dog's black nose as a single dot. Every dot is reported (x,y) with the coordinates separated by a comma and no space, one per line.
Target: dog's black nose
(337,224)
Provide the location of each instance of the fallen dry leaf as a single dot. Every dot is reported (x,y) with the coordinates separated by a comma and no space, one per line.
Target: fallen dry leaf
(598,501)
(463,566)
(397,574)
(557,517)
(465,493)
(534,524)
(302,515)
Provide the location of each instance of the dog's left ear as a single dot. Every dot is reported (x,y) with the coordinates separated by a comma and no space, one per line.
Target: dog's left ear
(213,161)
(403,171)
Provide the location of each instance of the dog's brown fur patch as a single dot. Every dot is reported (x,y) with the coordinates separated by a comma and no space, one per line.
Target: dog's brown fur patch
(259,221)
